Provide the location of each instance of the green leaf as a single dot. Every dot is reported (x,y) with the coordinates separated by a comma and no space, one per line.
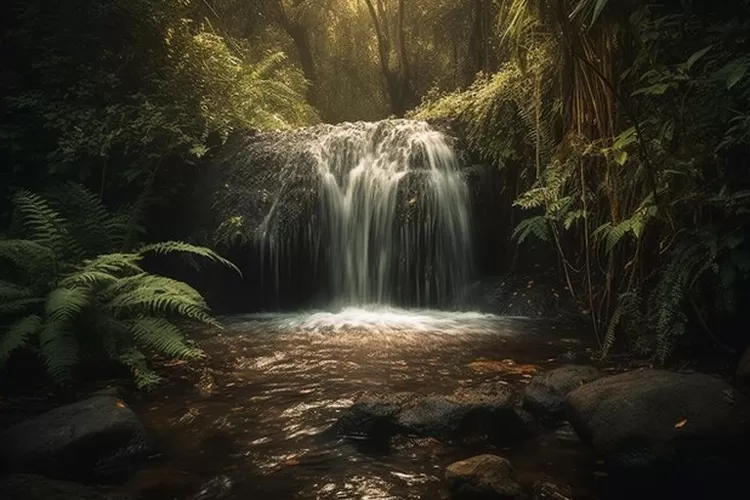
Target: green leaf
(18,335)
(625,138)
(621,157)
(656,89)
(736,74)
(695,57)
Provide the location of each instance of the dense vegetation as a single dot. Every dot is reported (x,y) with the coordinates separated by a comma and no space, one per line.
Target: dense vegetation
(637,123)
(621,130)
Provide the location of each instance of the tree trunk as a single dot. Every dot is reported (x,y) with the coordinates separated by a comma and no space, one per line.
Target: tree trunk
(397,81)
(479,37)
(299,35)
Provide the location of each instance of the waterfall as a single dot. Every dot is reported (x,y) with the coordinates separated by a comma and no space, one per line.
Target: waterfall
(393,223)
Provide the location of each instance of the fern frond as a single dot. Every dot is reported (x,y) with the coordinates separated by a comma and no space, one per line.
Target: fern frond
(158,295)
(40,222)
(160,335)
(533,226)
(27,256)
(610,336)
(114,263)
(87,220)
(58,348)
(93,279)
(144,376)
(18,335)
(179,246)
(66,303)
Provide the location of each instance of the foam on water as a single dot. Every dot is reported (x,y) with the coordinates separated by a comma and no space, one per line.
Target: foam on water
(375,319)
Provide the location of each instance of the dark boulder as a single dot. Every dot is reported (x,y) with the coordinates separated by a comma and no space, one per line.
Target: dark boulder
(97,438)
(32,487)
(654,419)
(484,477)
(546,393)
(373,416)
(487,413)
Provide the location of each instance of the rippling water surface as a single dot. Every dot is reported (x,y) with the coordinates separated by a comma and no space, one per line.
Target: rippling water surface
(275,382)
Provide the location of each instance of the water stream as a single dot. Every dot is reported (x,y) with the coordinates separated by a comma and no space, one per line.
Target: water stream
(279,381)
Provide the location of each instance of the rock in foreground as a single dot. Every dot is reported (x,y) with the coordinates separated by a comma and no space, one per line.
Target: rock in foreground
(484,477)
(546,393)
(468,415)
(654,418)
(96,438)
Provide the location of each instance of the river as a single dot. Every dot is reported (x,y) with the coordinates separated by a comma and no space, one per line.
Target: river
(273,383)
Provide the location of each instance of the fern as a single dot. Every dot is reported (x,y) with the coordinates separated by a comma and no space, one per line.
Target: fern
(168,247)
(160,335)
(690,261)
(41,224)
(64,304)
(58,296)
(28,257)
(87,220)
(19,335)
(59,350)
(533,226)
(135,360)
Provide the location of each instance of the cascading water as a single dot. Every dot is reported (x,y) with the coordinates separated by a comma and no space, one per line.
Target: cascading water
(378,237)
(394,215)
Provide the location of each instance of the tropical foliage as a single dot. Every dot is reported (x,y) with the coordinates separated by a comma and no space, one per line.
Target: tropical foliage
(107,92)
(69,288)
(637,137)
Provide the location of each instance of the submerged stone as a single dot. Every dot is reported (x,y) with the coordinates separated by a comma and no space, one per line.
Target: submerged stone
(484,477)
(97,438)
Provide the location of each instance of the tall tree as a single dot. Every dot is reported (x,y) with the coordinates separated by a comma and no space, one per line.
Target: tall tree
(394,63)
(289,15)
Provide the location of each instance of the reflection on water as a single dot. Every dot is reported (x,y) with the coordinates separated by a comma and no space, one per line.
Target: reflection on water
(282,379)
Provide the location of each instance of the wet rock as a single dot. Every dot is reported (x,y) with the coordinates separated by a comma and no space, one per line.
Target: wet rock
(373,416)
(484,477)
(545,395)
(648,419)
(33,487)
(486,413)
(743,369)
(96,438)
